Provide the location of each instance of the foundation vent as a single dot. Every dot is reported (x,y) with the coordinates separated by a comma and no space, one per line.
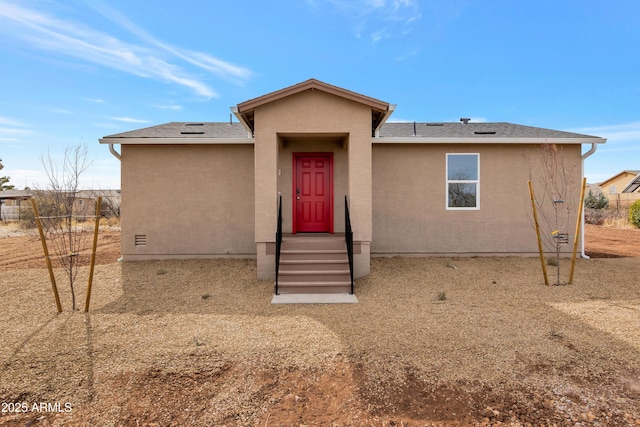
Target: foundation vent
(140,240)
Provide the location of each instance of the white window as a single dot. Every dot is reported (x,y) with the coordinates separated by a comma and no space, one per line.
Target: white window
(463,181)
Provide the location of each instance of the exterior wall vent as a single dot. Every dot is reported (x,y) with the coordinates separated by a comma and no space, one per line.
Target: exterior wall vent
(140,240)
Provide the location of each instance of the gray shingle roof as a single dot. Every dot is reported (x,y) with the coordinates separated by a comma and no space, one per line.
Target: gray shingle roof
(187,130)
(474,130)
(15,194)
(392,129)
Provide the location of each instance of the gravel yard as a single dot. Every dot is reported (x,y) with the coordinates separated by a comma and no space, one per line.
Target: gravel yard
(433,341)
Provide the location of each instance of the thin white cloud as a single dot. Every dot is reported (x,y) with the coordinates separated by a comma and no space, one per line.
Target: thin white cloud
(107,125)
(129,120)
(151,59)
(408,54)
(375,19)
(618,148)
(214,65)
(7,121)
(11,129)
(5,130)
(379,35)
(59,111)
(26,177)
(173,107)
(617,133)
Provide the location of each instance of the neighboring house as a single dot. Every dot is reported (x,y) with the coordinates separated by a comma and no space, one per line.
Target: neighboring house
(621,189)
(10,203)
(413,188)
(85,203)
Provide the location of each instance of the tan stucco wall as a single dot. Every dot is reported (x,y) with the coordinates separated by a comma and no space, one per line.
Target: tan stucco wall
(188,200)
(409,200)
(312,113)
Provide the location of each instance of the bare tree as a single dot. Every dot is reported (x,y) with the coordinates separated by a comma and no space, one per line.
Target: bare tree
(57,205)
(553,181)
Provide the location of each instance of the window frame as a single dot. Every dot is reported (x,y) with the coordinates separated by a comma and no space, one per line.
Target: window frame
(462,181)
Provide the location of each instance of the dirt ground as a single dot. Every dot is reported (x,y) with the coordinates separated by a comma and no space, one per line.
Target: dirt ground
(608,242)
(432,342)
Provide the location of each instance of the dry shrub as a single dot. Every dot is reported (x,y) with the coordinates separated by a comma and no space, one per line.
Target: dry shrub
(110,222)
(616,219)
(594,216)
(607,217)
(634,214)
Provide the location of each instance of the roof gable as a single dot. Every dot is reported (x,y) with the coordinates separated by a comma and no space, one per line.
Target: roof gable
(633,173)
(245,110)
(312,84)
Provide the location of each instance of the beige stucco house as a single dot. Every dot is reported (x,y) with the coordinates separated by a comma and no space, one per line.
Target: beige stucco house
(617,183)
(622,189)
(412,188)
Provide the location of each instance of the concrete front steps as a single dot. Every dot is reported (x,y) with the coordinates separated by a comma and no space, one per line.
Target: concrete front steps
(314,264)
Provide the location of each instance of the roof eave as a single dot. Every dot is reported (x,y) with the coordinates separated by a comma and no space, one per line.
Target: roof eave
(175,141)
(243,120)
(484,140)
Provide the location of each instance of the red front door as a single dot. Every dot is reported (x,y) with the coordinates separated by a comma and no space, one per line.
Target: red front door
(313,193)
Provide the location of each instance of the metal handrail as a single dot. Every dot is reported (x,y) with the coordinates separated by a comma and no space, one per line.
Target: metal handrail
(348,237)
(278,240)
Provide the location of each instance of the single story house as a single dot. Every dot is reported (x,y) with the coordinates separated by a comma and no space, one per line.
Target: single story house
(85,203)
(10,203)
(412,188)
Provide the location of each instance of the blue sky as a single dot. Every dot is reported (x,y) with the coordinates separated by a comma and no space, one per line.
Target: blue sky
(74,71)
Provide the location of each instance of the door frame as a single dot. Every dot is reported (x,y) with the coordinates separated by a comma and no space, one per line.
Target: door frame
(325,154)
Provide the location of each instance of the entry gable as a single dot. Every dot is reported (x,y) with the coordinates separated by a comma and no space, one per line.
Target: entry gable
(379,109)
